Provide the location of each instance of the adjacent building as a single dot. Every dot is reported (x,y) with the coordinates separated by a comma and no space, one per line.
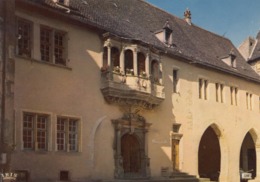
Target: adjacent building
(122,90)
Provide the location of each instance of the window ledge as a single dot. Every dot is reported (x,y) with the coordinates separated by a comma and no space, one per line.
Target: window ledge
(67,153)
(44,62)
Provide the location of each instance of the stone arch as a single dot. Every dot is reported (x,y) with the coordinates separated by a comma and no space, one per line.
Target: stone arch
(222,167)
(248,153)
(254,135)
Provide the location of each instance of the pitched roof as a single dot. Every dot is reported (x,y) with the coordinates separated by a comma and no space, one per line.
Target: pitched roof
(139,20)
(256,51)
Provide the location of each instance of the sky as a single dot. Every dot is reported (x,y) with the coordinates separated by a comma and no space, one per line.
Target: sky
(233,19)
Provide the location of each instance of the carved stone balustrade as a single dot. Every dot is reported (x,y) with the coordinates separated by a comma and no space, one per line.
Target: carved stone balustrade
(129,90)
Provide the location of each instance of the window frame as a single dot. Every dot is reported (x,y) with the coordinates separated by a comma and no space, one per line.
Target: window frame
(67,133)
(175,79)
(35,131)
(28,53)
(62,50)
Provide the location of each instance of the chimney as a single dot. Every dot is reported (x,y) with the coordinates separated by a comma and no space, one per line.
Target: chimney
(187,16)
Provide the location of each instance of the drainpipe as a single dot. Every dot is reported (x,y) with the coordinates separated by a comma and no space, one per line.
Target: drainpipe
(3,68)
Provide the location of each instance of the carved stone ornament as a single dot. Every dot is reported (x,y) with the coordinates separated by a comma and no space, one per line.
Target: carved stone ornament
(130,147)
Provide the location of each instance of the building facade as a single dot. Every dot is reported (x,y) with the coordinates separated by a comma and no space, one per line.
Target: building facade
(112,90)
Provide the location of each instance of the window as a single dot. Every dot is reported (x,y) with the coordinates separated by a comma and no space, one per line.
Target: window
(221,93)
(22,175)
(129,64)
(35,131)
(67,134)
(249,101)
(233,95)
(53,46)
(105,57)
(155,71)
(45,44)
(203,86)
(115,57)
(175,80)
(217,92)
(141,64)
(24,31)
(64,175)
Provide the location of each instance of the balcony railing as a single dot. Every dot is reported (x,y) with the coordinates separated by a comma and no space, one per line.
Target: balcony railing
(131,90)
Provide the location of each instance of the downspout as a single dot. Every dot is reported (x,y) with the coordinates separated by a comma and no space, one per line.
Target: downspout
(3,68)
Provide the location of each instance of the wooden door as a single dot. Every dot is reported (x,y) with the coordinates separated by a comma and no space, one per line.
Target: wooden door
(130,150)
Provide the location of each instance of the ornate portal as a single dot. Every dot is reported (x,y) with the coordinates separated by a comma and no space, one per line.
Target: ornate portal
(130,147)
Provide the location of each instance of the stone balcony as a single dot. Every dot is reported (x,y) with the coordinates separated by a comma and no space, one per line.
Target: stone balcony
(129,90)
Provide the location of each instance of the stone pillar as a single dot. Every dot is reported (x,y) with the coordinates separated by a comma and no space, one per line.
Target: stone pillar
(109,56)
(147,65)
(122,61)
(223,176)
(135,62)
(160,72)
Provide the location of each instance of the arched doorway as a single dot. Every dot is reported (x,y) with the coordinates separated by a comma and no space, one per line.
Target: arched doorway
(209,155)
(131,151)
(131,154)
(248,155)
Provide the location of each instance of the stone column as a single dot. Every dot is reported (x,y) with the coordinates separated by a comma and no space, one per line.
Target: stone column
(147,65)
(122,61)
(135,62)
(109,56)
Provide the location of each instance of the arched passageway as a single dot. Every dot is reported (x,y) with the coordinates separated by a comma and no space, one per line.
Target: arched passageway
(209,155)
(248,155)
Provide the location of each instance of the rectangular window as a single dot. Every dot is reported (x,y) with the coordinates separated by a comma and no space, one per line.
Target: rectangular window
(45,44)
(64,175)
(67,134)
(217,92)
(231,95)
(203,87)
(53,45)
(249,101)
(24,31)
(59,48)
(175,80)
(35,130)
(200,88)
(221,93)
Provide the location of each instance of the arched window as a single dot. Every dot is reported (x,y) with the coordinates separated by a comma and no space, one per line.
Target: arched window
(105,60)
(141,63)
(129,62)
(115,55)
(155,71)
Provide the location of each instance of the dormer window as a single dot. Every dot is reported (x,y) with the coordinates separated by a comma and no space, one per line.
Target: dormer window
(230,59)
(62,2)
(165,35)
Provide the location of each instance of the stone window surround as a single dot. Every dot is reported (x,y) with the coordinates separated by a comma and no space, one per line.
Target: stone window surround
(67,132)
(35,129)
(52,122)
(122,47)
(35,45)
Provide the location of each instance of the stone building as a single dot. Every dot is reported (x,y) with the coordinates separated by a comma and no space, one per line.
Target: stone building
(120,89)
